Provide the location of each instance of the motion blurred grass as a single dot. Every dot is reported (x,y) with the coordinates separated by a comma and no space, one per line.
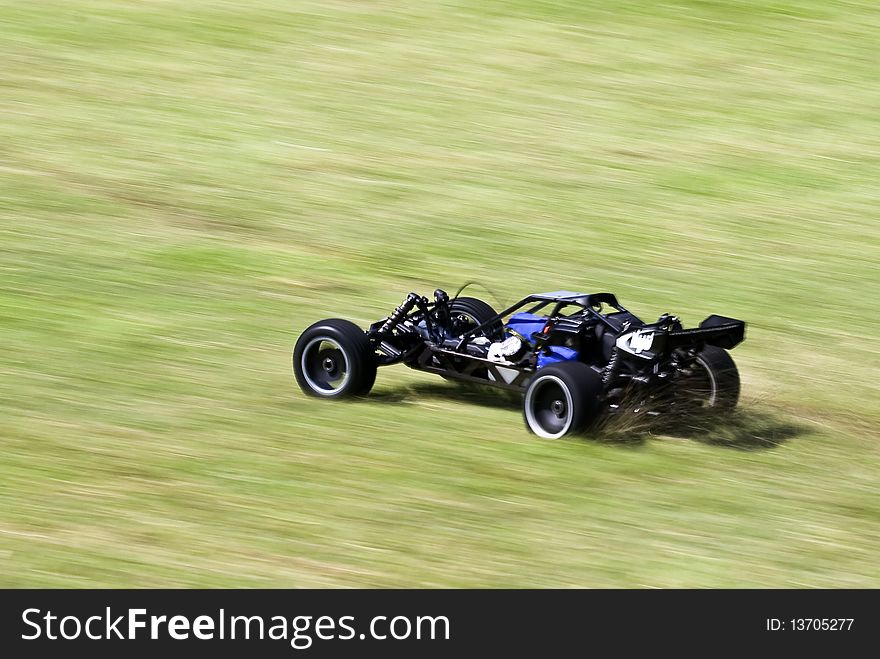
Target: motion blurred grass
(184,186)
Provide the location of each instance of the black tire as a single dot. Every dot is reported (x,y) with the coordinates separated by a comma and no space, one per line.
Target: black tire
(478,312)
(334,359)
(562,399)
(716,384)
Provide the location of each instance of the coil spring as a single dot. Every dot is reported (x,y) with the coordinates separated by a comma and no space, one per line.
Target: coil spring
(400,313)
(611,370)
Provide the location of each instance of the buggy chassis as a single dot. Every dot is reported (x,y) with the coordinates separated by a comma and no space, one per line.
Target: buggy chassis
(596,353)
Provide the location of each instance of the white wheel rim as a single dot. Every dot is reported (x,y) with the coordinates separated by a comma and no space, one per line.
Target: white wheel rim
(713,384)
(322,388)
(528,404)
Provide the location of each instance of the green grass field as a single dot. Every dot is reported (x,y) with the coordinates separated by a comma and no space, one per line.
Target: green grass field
(185,186)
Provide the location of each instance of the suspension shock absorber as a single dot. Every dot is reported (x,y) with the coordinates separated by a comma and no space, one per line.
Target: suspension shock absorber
(609,375)
(441,307)
(400,313)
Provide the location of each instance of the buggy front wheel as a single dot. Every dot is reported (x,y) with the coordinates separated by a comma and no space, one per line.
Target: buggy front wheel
(334,359)
(474,312)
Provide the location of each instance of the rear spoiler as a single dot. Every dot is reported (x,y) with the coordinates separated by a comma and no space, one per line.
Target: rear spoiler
(718,331)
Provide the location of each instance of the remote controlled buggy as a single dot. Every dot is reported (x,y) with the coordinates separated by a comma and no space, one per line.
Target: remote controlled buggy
(574,356)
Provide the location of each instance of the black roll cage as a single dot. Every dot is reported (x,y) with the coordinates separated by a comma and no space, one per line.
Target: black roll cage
(588,302)
(456,361)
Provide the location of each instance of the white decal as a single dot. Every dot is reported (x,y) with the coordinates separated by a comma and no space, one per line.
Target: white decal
(637,342)
(641,341)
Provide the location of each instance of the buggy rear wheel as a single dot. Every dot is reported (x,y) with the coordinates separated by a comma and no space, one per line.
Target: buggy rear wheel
(334,359)
(562,399)
(715,384)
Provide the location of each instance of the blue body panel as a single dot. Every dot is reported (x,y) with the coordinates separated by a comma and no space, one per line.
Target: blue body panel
(526,324)
(557,354)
